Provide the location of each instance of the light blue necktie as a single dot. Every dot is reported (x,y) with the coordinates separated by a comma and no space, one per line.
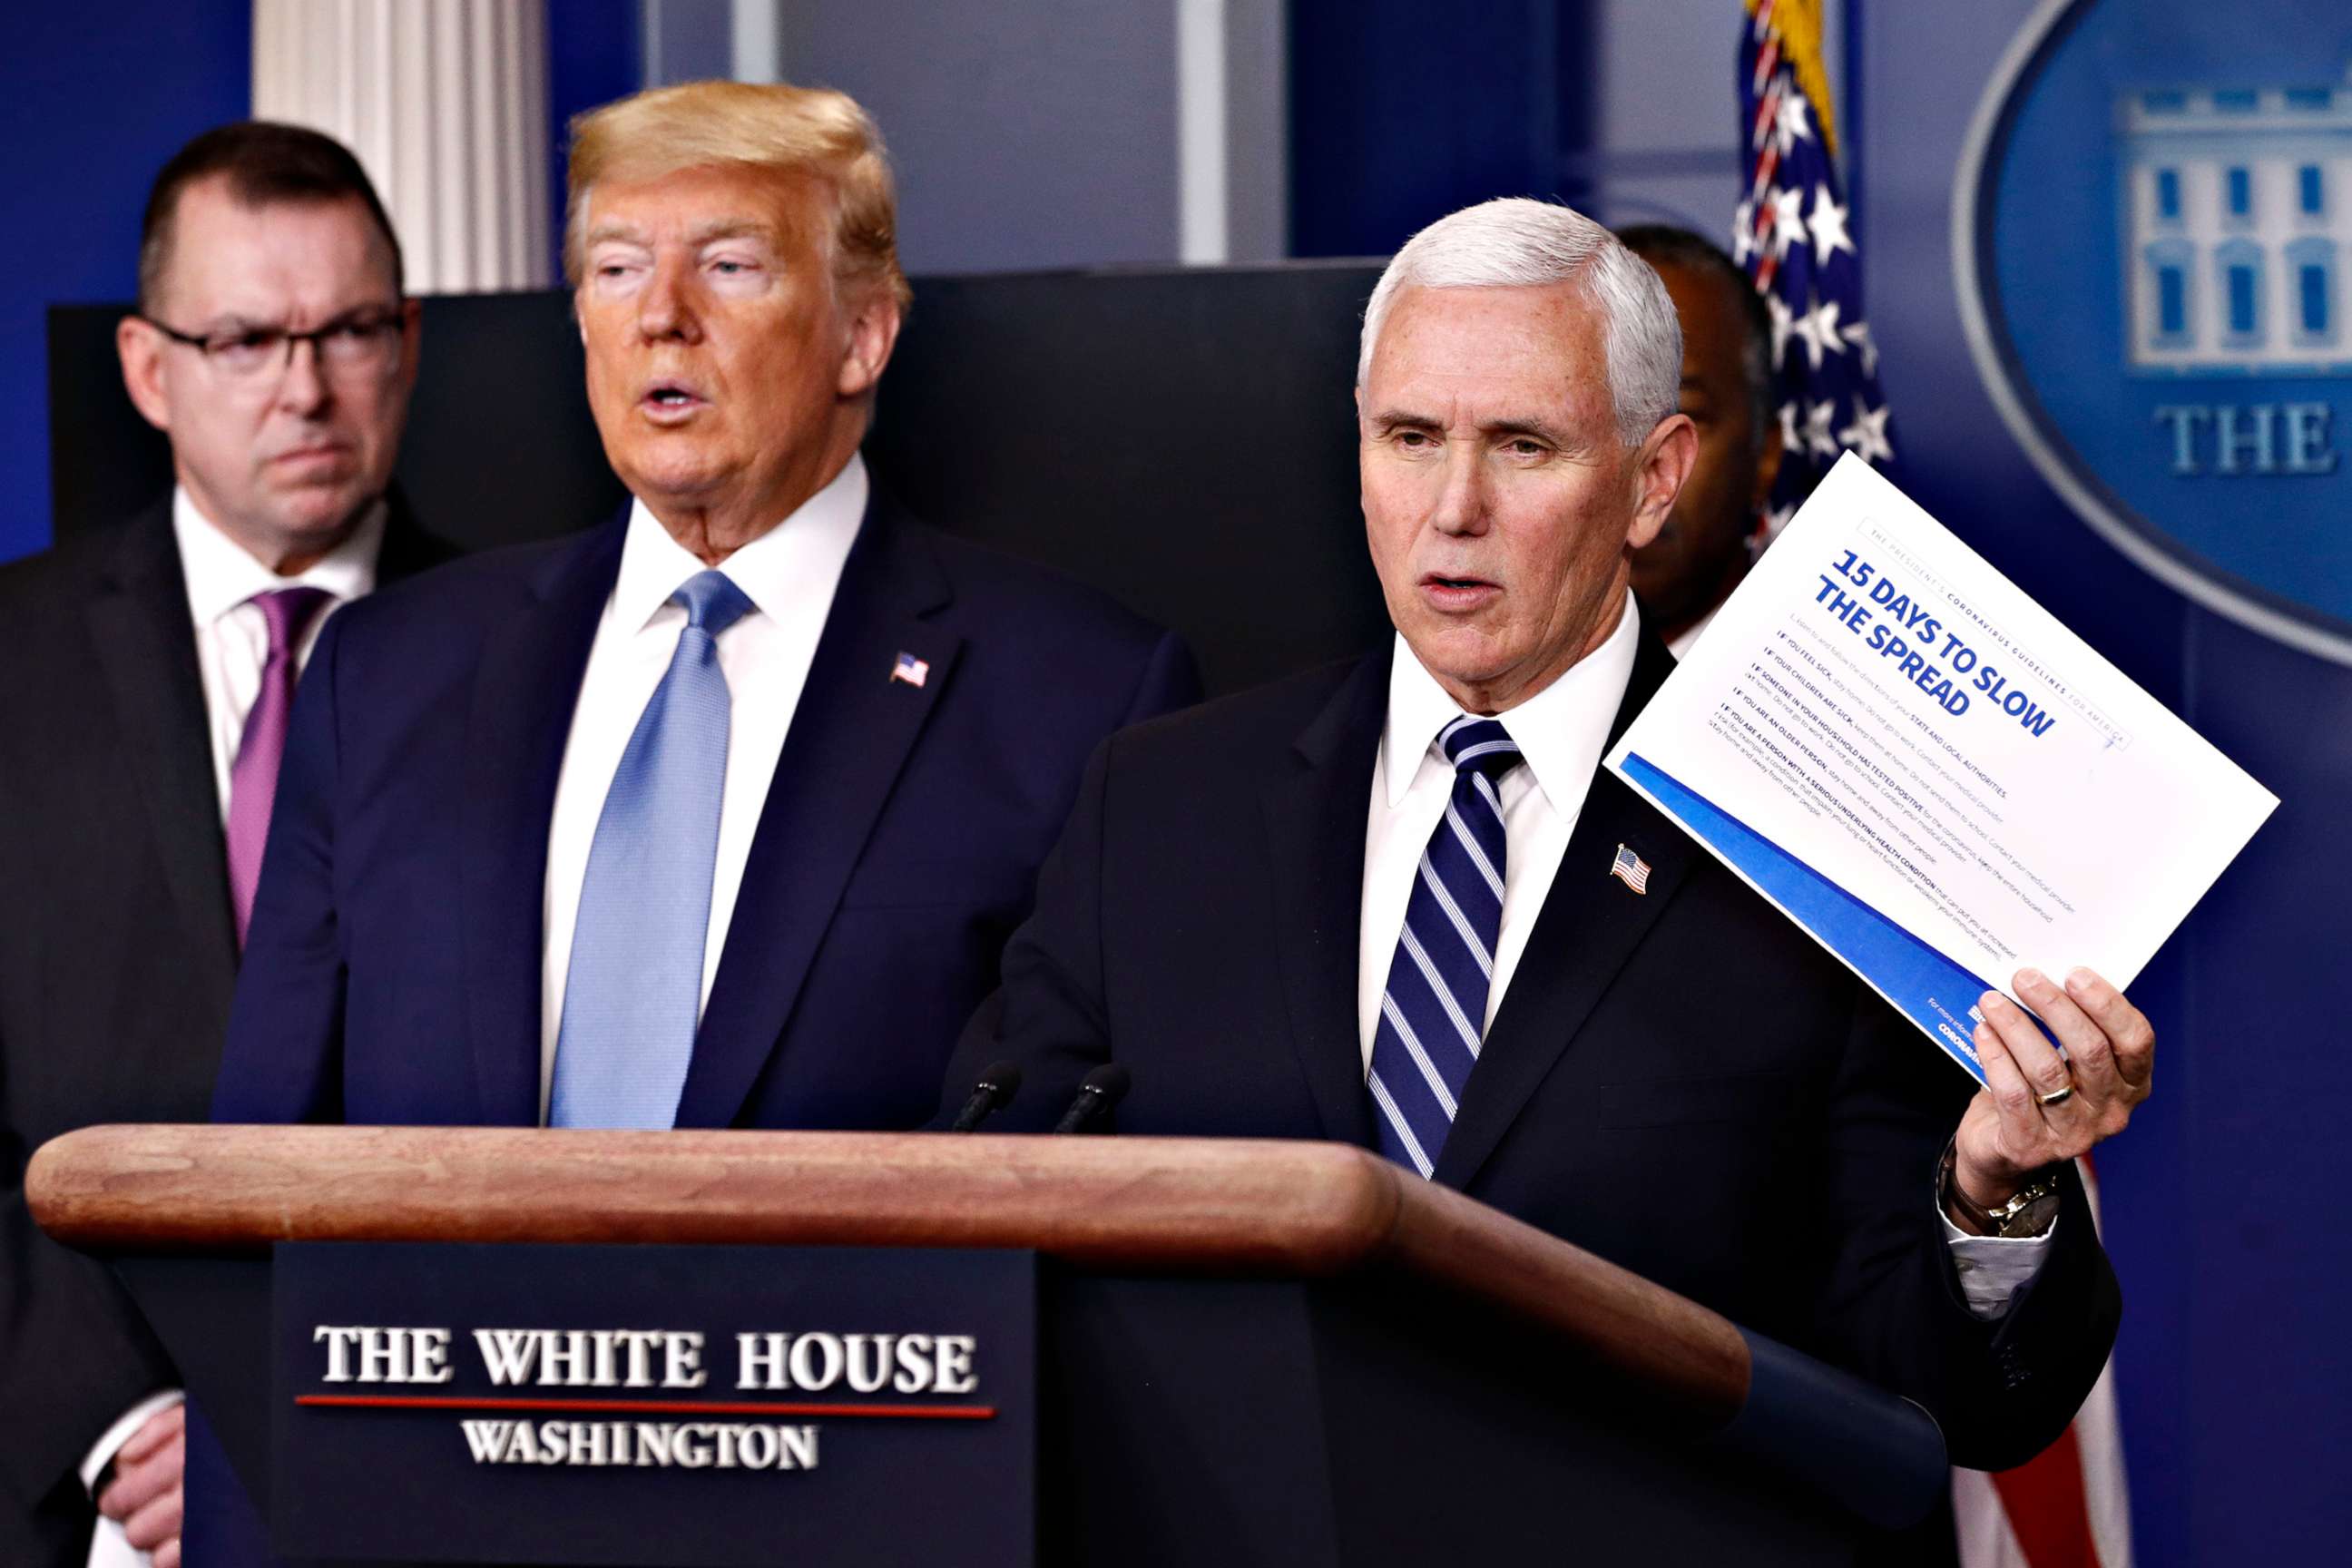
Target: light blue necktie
(1433,1008)
(633,991)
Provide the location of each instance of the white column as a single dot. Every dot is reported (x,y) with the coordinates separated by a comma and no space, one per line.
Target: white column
(758,41)
(1200,135)
(1233,189)
(445,101)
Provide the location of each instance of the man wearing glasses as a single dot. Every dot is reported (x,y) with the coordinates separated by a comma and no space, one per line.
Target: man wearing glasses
(145,677)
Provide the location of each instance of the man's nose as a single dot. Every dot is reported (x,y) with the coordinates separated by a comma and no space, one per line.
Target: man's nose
(665,308)
(302,387)
(1462,499)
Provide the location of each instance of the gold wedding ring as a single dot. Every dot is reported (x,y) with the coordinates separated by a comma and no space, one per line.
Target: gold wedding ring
(2059,1096)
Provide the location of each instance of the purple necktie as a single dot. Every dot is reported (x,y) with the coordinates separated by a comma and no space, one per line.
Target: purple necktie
(253,781)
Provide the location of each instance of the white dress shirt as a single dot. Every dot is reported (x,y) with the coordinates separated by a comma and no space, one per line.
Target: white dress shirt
(232,646)
(232,637)
(1561,732)
(789,573)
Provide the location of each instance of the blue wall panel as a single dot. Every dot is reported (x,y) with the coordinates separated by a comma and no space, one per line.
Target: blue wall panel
(593,56)
(2235,1380)
(93,98)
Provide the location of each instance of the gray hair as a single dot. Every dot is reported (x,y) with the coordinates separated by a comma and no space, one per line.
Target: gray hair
(1516,243)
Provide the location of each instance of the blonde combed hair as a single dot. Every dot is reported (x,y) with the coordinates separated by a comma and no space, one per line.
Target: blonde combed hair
(808,131)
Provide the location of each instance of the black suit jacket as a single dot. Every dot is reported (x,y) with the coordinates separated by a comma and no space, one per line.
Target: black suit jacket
(1680,1080)
(118,951)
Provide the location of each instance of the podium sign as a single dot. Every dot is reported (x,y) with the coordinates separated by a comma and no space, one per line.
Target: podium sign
(654,1405)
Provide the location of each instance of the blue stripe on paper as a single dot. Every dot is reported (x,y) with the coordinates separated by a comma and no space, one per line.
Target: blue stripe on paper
(1923,984)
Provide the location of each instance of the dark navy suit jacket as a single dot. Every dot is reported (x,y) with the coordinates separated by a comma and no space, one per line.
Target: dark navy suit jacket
(394,970)
(1678,1080)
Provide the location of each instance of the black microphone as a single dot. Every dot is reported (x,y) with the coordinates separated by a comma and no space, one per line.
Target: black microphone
(1103,1088)
(999,1082)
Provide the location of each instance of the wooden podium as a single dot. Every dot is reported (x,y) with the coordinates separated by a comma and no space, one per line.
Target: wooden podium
(1250,1350)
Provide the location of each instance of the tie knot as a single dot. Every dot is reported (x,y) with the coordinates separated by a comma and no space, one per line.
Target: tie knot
(1479,743)
(287,612)
(712,601)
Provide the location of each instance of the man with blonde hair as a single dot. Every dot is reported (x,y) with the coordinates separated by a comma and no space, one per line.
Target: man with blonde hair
(717,814)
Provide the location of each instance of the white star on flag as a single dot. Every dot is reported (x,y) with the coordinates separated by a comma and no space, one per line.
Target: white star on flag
(1799,242)
(1858,334)
(1787,219)
(1867,435)
(1818,420)
(1793,127)
(1829,227)
(1818,329)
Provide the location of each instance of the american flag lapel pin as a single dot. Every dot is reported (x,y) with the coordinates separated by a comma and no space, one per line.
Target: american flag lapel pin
(913,670)
(1631,869)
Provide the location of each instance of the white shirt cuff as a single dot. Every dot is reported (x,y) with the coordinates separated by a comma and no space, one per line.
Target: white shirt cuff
(1992,1267)
(94,1463)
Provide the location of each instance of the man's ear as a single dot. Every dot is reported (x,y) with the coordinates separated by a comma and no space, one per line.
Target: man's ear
(1768,468)
(1660,470)
(873,333)
(141,348)
(412,342)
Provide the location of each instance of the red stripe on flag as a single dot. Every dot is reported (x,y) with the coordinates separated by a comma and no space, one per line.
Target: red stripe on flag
(2044,1498)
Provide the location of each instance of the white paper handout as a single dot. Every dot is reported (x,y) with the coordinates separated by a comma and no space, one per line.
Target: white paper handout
(1927,771)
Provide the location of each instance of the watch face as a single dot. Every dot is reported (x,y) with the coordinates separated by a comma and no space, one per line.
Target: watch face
(2030,1212)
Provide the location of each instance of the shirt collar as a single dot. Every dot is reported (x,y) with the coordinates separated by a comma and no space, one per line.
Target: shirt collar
(788,573)
(1560,732)
(221,575)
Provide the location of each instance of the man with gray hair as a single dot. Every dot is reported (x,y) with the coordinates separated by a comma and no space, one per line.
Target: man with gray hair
(1313,909)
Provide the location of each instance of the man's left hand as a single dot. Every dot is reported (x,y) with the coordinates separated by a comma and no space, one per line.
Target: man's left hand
(2039,1108)
(144,1497)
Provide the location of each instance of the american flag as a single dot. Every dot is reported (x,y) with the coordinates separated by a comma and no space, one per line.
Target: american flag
(913,670)
(1791,233)
(2067,1507)
(1631,869)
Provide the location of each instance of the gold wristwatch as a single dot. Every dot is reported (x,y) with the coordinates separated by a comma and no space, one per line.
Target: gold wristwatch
(2029,1211)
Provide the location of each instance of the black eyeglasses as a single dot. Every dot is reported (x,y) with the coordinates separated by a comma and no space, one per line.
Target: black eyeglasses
(364,342)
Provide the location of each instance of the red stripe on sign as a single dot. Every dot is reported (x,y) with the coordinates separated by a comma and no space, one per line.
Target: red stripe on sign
(653,1406)
(2045,1501)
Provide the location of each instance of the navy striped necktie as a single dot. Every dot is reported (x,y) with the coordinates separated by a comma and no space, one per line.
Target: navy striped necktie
(1433,1010)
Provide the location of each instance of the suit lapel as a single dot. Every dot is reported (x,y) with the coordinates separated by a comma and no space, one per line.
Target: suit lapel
(146,646)
(1315,855)
(1590,925)
(517,724)
(849,737)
